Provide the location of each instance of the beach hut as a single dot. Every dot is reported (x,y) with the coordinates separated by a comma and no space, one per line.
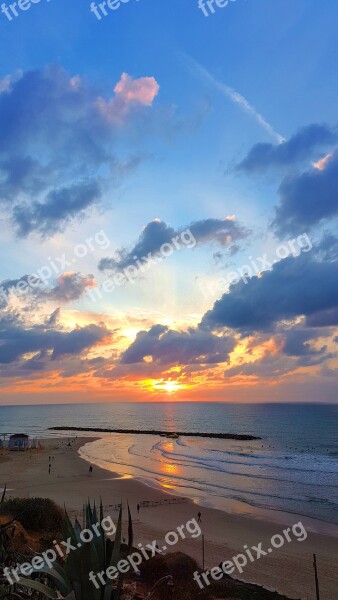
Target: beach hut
(19,441)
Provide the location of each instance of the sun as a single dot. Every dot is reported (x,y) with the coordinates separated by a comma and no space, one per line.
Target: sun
(167,385)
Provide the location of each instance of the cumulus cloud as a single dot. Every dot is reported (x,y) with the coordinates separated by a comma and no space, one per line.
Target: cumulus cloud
(224,232)
(307,199)
(82,338)
(129,93)
(57,145)
(300,147)
(165,346)
(296,286)
(299,342)
(18,339)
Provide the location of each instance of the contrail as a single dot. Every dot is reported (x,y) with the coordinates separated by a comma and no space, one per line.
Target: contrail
(233,95)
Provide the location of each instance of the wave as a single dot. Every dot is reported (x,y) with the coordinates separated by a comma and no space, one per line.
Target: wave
(299,484)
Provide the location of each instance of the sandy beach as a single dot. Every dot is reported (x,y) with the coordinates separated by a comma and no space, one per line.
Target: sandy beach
(287,570)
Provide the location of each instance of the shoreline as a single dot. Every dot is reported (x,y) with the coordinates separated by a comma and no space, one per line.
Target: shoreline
(225,534)
(239,508)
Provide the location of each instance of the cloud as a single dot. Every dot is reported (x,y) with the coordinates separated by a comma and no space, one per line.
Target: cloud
(165,346)
(294,287)
(82,338)
(272,358)
(18,339)
(327,247)
(69,286)
(53,319)
(129,93)
(59,206)
(5,83)
(58,144)
(223,232)
(298,342)
(323,318)
(9,286)
(269,368)
(321,164)
(307,199)
(301,147)
(234,96)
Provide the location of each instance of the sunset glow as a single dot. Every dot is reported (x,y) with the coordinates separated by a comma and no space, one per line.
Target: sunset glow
(168,386)
(169,224)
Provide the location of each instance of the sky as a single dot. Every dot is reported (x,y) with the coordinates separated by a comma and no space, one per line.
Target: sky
(168,201)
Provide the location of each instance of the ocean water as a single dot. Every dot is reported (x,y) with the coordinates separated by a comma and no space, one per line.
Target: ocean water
(292,469)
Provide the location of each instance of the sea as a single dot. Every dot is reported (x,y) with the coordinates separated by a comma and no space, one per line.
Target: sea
(293,468)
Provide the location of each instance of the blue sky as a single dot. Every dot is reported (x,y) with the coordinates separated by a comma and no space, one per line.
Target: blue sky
(181,150)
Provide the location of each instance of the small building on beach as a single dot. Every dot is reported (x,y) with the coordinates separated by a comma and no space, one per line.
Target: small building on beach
(19,442)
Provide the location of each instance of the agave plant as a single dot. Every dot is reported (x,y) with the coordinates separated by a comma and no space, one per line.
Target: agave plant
(71,578)
(6,532)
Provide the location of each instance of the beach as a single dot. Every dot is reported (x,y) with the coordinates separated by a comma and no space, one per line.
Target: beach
(288,569)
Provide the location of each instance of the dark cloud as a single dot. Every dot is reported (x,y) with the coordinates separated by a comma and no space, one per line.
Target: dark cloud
(18,339)
(224,232)
(59,206)
(296,342)
(302,146)
(60,142)
(36,364)
(58,135)
(307,199)
(166,346)
(82,338)
(323,318)
(294,287)
(220,231)
(153,236)
(299,343)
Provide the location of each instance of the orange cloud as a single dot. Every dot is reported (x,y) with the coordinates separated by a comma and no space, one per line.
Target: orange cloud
(129,93)
(322,163)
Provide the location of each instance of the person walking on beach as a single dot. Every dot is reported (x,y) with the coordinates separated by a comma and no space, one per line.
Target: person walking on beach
(49,468)
(138,509)
(199,518)
(90,469)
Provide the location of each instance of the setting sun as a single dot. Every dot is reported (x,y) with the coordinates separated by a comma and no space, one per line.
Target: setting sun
(168,386)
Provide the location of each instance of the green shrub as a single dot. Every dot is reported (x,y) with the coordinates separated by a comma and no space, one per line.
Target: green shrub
(34,514)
